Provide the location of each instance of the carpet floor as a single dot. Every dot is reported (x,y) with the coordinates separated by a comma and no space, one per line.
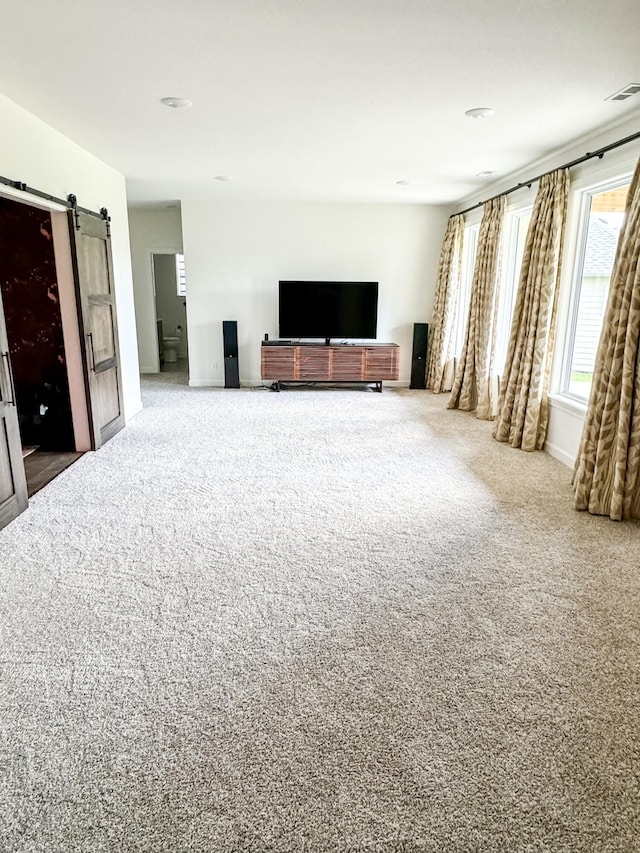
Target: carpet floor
(320,620)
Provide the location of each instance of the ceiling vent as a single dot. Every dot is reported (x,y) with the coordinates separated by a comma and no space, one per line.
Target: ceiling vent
(627,92)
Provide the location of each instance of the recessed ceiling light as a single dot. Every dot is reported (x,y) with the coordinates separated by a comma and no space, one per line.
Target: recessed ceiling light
(486,173)
(224,179)
(176,103)
(480,112)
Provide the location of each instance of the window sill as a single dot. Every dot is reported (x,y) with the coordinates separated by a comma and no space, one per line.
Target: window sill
(566,403)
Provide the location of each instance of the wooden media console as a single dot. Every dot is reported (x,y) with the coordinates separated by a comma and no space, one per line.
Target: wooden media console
(282,361)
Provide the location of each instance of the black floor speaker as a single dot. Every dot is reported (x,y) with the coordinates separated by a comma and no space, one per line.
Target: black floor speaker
(230,344)
(419,356)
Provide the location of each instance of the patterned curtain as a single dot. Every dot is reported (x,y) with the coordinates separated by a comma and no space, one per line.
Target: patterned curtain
(606,479)
(443,324)
(475,387)
(523,410)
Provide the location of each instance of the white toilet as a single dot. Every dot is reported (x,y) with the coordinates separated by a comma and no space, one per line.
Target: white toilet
(170,345)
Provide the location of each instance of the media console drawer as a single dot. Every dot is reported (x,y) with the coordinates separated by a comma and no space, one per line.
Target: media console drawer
(333,363)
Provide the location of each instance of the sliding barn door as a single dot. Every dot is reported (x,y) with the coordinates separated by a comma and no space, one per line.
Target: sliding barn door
(13,485)
(91,249)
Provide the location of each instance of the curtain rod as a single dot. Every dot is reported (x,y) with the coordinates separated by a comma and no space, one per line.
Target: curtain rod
(70,201)
(588,156)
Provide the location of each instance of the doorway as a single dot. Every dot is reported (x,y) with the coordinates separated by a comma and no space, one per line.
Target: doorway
(33,317)
(169,287)
(60,388)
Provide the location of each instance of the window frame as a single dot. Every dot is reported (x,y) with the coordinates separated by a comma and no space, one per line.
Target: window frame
(468,262)
(509,280)
(181,283)
(582,210)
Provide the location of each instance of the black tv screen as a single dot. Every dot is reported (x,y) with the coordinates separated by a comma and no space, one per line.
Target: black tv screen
(328,309)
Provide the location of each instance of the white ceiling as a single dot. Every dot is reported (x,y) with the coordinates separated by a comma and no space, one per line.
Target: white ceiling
(332,100)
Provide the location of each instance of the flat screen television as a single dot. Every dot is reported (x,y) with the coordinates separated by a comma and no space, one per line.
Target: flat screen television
(328,309)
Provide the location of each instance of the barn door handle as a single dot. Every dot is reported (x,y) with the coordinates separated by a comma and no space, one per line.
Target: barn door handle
(12,387)
(93,355)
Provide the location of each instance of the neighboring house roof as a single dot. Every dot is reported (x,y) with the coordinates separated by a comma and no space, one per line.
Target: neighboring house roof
(601,248)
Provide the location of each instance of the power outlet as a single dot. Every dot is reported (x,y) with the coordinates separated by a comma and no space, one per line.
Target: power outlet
(214,365)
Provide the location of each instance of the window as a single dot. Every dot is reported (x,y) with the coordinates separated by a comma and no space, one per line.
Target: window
(182,287)
(469,249)
(515,239)
(602,215)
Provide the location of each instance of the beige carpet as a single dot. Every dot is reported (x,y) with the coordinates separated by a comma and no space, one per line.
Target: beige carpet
(320,620)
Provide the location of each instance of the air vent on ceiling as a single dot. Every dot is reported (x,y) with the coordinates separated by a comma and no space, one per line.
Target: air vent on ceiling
(623,94)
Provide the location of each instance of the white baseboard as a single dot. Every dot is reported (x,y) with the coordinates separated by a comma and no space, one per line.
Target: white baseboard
(219,383)
(559,454)
(135,409)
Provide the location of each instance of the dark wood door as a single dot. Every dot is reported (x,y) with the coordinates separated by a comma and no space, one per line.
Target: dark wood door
(13,484)
(93,269)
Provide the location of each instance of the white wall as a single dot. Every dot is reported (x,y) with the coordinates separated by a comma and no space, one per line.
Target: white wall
(34,153)
(566,417)
(153,229)
(236,253)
